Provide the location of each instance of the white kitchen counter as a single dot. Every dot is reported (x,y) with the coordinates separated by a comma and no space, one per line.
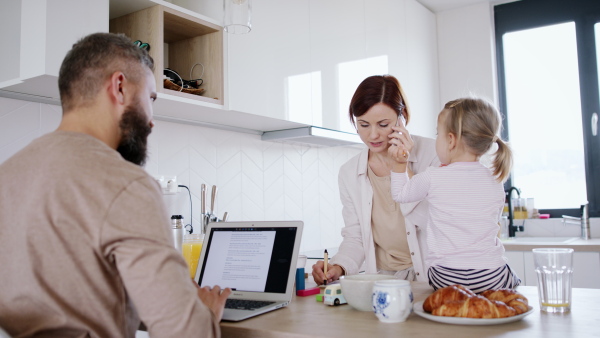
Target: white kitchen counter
(577,244)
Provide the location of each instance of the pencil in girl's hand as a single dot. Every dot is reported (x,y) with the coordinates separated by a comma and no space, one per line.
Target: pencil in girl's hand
(326,261)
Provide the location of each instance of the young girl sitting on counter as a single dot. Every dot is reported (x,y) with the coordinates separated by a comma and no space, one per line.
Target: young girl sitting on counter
(465,197)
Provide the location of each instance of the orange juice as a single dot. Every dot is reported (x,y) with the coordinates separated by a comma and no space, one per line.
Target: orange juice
(191,248)
(520,213)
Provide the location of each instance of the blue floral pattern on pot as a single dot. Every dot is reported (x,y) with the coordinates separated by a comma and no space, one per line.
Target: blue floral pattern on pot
(381,302)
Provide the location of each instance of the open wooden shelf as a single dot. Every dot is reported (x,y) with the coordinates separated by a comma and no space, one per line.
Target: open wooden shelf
(179,41)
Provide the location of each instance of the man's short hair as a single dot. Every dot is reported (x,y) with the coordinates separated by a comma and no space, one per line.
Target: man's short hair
(91,62)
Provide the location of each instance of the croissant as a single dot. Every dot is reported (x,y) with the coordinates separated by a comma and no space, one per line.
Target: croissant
(474,307)
(510,297)
(447,294)
(465,289)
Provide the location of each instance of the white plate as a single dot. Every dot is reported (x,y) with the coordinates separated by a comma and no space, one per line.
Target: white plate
(418,308)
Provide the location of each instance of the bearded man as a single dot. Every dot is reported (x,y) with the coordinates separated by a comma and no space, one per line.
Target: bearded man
(85,243)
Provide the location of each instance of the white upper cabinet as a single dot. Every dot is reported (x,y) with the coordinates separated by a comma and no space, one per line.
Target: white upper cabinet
(272,60)
(39,33)
(298,66)
(303,60)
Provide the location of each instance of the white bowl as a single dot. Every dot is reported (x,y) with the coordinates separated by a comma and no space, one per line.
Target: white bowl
(358,289)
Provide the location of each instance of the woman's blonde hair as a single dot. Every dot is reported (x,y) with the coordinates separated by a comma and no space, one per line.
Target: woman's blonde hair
(477,123)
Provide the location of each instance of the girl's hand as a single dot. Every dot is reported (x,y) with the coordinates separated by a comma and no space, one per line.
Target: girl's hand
(401,144)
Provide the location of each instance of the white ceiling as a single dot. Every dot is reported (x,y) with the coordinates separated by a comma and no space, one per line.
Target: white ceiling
(443,5)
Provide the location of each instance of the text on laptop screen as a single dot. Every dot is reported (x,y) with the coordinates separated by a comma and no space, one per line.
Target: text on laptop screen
(248,259)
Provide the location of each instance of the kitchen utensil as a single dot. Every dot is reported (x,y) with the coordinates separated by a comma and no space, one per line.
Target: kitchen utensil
(203,199)
(213,197)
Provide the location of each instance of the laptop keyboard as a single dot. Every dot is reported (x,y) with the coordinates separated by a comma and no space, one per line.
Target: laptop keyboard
(245,304)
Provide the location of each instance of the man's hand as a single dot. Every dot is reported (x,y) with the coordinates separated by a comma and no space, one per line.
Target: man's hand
(214,298)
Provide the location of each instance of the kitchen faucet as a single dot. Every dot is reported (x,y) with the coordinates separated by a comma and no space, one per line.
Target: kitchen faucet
(511,227)
(583,221)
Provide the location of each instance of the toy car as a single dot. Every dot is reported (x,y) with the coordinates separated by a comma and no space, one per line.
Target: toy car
(333,295)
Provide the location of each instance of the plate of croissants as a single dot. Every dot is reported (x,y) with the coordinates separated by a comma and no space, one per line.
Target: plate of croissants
(457,304)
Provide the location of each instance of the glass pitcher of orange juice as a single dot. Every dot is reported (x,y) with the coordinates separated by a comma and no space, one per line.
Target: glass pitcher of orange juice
(191,248)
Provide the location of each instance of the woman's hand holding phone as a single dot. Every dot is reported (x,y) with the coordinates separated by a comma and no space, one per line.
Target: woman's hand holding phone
(401,141)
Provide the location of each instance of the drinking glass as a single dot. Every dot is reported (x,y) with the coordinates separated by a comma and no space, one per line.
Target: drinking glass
(519,208)
(301,262)
(554,269)
(191,248)
(503,231)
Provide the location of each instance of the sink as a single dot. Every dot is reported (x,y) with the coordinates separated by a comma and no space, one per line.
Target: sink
(540,240)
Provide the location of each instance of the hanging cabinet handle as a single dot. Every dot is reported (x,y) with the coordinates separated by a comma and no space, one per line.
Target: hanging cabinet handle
(594,124)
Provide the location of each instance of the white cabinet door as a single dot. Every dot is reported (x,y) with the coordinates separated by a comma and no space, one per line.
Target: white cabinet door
(517,264)
(415,63)
(46,31)
(272,60)
(303,60)
(340,57)
(586,269)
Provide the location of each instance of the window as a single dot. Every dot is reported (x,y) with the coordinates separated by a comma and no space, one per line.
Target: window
(548,85)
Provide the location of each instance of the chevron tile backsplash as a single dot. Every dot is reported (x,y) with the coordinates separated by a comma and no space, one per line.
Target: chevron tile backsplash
(257,180)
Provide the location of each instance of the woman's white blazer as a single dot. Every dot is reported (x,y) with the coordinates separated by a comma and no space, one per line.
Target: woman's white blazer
(357,251)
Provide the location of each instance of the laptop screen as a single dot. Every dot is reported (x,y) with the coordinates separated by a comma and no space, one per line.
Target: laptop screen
(255,259)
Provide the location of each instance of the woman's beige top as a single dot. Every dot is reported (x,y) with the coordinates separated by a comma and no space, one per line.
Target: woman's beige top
(389,231)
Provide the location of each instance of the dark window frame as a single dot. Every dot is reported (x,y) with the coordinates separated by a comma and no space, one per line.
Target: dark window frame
(526,14)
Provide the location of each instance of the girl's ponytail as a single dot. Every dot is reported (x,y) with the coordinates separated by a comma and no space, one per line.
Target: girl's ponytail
(502,161)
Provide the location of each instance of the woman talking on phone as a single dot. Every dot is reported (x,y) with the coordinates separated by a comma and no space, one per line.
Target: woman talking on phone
(380,235)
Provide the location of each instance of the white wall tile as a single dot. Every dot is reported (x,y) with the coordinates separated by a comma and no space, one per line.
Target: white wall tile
(274,192)
(202,170)
(9,105)
(50,118)
(257,180)
(176,163)
(16,145)
(20,122)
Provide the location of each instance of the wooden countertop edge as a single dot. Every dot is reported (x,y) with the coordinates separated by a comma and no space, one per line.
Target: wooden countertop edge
(233,331)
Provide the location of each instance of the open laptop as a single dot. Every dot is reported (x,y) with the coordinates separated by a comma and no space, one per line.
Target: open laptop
(257,260)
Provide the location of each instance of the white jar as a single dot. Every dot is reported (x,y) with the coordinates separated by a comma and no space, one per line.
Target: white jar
(392,300)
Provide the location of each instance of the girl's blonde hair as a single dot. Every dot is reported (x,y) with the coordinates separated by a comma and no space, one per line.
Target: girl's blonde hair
(477,123)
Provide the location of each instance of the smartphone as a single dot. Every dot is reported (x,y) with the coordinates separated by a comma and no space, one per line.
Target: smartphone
(401,121)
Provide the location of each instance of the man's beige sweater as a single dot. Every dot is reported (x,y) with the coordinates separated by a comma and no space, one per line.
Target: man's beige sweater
(85,247)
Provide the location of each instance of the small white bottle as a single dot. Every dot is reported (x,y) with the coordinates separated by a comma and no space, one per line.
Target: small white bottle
(177,228)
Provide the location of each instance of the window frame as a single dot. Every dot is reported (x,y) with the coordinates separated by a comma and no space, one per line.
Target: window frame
(527,14)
